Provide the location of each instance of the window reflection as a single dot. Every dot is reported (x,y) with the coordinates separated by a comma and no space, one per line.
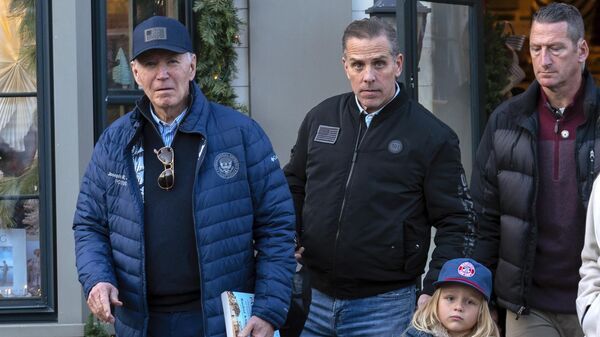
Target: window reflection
(113,112)
(20,254)
(445,70)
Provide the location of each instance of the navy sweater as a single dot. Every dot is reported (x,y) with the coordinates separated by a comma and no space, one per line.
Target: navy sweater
(171,253)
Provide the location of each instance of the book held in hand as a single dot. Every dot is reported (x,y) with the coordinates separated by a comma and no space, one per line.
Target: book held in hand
(237,310)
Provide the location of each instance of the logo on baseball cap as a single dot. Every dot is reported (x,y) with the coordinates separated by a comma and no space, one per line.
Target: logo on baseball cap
(469,272)
(160,32)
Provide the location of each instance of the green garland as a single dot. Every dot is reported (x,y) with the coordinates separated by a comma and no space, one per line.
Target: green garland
(22,185)
(25,9)
(217,32)
(497,62)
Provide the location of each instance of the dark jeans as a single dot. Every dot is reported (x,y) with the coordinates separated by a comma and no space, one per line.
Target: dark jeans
(175,324)
(299,307)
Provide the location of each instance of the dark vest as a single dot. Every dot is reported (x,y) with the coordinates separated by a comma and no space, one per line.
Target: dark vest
(171,255)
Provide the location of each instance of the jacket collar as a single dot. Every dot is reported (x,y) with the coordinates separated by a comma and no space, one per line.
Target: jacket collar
(524,106)
(195,121)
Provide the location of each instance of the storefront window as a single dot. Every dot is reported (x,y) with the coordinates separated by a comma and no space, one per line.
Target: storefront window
(114,111)
(444,77)
(21,259)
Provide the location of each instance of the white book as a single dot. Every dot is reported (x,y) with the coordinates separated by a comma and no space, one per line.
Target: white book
(237,310)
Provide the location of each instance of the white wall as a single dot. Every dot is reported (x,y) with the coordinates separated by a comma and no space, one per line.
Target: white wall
(295,62)
(359,7)
(241,81)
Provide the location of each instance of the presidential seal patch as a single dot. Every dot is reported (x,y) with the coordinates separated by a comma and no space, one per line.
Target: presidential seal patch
(395,146)
(226,165)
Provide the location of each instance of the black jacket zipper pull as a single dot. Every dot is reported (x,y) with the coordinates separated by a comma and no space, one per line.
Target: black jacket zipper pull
(556,127)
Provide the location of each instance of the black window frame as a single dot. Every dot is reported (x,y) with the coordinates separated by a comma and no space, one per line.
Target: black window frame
(406,21)
(44,308)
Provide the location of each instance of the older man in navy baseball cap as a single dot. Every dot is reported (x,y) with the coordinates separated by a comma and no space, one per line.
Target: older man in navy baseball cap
(165,39)
(161,247)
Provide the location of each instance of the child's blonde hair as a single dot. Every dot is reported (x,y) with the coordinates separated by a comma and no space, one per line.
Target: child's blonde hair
(426,318)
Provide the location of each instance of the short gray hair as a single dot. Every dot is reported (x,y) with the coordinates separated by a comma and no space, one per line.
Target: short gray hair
(562,12)
(370,28)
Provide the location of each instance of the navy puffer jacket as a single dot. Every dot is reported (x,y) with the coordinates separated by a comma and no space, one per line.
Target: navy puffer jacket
(244,221)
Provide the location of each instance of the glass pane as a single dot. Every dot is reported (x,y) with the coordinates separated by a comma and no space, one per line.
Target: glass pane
(20,254)
(444,68)
(115,111)
(120,21)
(17,50)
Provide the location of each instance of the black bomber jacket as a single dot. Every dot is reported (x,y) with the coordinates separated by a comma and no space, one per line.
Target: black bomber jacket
(367,198)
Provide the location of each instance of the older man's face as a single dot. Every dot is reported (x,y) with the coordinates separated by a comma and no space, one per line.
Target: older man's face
(164,76)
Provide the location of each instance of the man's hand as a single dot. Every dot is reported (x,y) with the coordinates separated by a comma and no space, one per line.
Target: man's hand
(101,297)
(298,254)
(423,299)
(257,327)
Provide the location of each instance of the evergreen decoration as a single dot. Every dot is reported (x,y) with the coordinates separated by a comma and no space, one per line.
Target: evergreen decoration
(25,9)
(121,73)
(25,184)
(497,62)
(93,328)
(218,29)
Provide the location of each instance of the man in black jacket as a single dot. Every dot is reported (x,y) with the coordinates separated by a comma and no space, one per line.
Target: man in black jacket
(532,178)
(371,172)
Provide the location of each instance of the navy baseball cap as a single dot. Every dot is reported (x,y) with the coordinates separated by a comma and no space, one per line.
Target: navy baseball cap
(160,32)
(466,271)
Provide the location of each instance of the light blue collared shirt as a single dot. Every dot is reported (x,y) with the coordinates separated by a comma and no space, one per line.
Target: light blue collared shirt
(167,131)
(369,116)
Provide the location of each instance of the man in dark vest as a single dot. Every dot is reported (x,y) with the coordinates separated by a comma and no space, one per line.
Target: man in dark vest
(532,179)
(183,199)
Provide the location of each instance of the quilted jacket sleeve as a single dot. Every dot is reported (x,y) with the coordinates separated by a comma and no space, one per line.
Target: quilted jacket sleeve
(484,188)
(295,173)
(449,208)
(273,229)
(588,303)
(90,225)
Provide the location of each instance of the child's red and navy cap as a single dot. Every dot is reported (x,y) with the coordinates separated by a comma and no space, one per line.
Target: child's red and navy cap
(160,32)
(466,271)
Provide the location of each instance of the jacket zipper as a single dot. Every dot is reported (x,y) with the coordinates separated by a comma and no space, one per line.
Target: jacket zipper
(138,195)
(359,139)
(520,312)
(201,153)
(556,161)
(591,181)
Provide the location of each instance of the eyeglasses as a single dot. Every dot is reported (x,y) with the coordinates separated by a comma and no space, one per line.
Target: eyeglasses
(166,179)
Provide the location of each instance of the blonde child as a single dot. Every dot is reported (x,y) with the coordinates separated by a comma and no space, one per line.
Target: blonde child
(458,307)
